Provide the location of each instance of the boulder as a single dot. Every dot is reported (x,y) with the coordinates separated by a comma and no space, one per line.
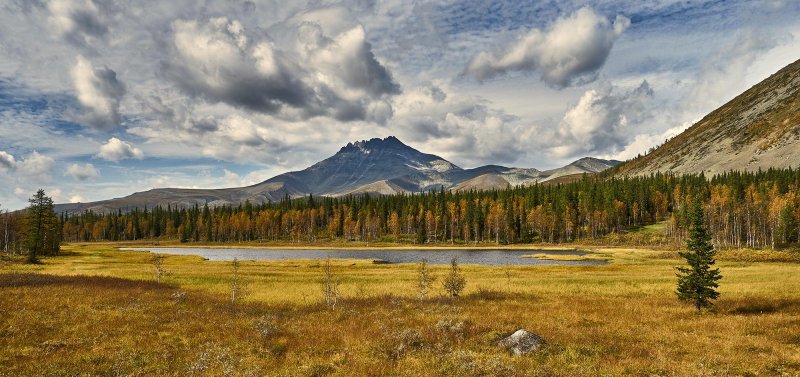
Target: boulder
(521,342)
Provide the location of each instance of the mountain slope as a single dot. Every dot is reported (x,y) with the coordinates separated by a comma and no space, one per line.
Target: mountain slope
(758,129)
(374,167)
(504,177)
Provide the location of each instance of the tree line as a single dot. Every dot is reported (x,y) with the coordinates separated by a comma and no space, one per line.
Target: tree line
(756,210)
(34,232)
(742,209)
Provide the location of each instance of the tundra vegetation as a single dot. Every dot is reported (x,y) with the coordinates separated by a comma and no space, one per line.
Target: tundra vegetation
(92,306)
(99,310)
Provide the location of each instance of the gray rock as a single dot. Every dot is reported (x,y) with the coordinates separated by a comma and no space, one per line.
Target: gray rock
(521,342)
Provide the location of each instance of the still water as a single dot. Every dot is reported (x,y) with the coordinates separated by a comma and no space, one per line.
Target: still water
(481,257)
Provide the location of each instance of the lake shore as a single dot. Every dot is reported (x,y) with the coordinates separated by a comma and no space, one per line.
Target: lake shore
(341,245)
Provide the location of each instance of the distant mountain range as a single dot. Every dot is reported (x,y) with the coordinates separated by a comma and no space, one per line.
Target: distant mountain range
(374,167)
(759,129)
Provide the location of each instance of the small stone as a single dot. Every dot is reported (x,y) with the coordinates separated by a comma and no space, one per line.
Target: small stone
(521,342)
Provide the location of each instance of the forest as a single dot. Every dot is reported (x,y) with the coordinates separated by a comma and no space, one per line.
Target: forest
(743,210)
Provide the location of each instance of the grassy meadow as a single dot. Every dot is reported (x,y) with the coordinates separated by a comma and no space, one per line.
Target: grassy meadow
(97,310)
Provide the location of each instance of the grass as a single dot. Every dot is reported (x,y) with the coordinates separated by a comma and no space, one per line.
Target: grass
(567,257)
(97,310)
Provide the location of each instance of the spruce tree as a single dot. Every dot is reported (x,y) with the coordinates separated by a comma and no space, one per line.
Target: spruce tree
(698,282)
(42,235)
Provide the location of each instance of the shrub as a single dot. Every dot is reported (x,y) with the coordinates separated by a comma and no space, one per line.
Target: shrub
(455,281)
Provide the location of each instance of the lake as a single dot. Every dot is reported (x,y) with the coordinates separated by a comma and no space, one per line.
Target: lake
(466,256)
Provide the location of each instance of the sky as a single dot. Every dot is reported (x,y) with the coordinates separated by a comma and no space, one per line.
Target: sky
(103,98)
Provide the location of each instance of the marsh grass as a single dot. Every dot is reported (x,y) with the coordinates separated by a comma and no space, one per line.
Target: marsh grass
(99,311)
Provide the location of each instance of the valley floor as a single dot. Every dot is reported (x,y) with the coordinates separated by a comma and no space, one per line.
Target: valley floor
(98,310)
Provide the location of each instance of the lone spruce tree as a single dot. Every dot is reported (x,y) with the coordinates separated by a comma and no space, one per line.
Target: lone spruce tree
(698,282)
(42,236)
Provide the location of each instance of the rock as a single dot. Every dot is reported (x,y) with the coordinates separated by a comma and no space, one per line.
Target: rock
(521,342)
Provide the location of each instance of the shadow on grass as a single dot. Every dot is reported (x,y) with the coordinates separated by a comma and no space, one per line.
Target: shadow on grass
(18,280)
(761,307)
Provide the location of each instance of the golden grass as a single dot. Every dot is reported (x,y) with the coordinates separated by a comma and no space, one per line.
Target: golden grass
(567,257)
(97,310)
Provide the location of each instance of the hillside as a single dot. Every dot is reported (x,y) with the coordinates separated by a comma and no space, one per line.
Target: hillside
(759,129)
(374,167)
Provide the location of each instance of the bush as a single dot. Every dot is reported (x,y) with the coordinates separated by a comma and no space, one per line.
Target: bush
(455,281)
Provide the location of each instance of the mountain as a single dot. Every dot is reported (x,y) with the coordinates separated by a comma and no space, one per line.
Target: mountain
(374,167)
(366,162)
(759,129)
(503,177)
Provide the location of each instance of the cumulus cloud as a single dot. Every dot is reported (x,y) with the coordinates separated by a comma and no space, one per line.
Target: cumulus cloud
(77,21)
(20,193)
(231,179)
(56,194)
(99,92)
(76,198)
(642,143)
(349,57)
(7,161)
(117,150)
(218,60)
(600,123)
(82,172)
(241,138)
(461,128)
(571,51)
(36,167)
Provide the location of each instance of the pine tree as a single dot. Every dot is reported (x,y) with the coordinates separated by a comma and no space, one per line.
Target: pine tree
(42,235)
(698,282)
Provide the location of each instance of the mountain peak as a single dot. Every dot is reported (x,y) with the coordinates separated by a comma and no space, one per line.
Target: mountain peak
(367,146)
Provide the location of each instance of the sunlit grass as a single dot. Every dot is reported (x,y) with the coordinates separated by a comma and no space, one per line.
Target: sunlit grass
(616,319)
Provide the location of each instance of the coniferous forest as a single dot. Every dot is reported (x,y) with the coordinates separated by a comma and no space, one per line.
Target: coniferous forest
(752,210)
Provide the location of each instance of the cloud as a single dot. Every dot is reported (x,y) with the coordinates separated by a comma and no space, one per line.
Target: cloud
(77,21)
(600,123)
(76,198)
(20,193)
(116,150)
(570,52)
(219,61)
(231,179)
(7,161)
(82,172)
(99,92)
(642,143)
(458,127)
(55,194)
(243,138)
(722,75)
(37,167)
